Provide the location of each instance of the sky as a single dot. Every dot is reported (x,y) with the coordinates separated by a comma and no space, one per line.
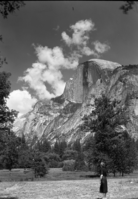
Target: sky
(45,41)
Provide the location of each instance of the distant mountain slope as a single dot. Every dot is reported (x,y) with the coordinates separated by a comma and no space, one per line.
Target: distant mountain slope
(61,116)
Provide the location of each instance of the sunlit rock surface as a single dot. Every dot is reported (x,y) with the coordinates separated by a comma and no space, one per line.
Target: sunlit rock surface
(124,87)
(61,116)
(86,76)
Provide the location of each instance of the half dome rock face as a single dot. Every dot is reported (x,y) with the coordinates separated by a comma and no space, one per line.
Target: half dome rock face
(60,117)
(86,76)
(124,87)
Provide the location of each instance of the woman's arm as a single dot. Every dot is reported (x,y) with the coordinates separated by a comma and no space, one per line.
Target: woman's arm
(101,176)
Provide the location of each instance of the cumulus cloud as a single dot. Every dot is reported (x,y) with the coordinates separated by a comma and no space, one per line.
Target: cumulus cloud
(80,37)
(80,33)
(101,47)
(87,51)
(66,38)
(21,100)
(47,70)
(33,76)
(55,58)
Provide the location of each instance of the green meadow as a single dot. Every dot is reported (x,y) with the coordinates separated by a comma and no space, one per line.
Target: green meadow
(58,184)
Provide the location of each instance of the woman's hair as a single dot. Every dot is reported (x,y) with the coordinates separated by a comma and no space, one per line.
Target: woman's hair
(103,169)
(102,163)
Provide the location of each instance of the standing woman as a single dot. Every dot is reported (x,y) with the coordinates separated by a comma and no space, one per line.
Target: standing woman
(103,180)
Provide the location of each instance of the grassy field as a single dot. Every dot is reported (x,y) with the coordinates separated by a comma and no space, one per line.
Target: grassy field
(64,185)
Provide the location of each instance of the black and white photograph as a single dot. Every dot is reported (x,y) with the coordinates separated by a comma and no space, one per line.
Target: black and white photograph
(68,99)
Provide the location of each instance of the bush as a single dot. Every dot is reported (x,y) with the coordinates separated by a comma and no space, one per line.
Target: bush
(25,159)
(80,163)
(68,165)
(70,155)
(39,167)
(53,160)
(60,164)
(53,164)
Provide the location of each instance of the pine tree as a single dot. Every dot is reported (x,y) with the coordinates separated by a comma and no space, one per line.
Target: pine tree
(77,145)
(87,149)
(110,144)
(62,148)
(9,151)
(56,147)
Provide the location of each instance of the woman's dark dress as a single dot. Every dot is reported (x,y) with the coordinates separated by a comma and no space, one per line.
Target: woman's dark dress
(103,185)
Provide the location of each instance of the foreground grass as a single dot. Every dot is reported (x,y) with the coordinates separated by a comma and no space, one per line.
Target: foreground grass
(68,189)
(64,185)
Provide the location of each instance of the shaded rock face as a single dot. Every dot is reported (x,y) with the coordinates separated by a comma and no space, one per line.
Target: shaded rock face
(124,87)
(60,117)
(86,76)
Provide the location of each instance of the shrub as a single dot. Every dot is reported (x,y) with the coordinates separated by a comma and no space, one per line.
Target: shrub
(80,163)
(60,164)
(25,159)
(68,165)
(39,167)
(53,160)
(70,154)
(53,164)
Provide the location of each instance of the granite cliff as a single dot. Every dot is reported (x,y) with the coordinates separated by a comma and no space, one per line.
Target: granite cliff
(61,116)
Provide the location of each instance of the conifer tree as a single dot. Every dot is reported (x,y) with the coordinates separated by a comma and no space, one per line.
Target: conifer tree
(56,147)
(77,145)
(110,145)
(62,148)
